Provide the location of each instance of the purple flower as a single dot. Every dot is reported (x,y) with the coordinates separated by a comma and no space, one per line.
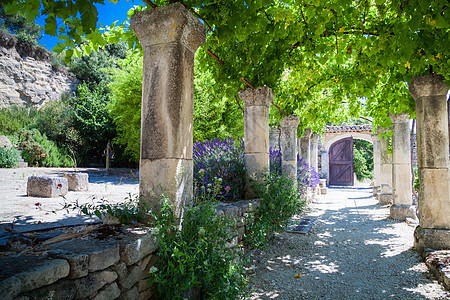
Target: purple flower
(227,188)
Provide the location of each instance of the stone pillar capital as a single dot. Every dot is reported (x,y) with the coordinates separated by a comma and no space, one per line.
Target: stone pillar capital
(262,96)
(291,121)
(428,85)
(307,133)
(167,24)
(399,118)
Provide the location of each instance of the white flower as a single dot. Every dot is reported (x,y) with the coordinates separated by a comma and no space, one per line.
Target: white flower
(153,270)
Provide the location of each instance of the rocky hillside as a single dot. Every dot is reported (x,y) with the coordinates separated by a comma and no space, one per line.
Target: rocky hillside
(27,77)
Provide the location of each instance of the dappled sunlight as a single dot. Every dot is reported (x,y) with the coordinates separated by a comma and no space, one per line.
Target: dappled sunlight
(321,267)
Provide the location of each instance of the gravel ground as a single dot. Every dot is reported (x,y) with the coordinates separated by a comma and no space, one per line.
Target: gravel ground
(353,251)
(23,213)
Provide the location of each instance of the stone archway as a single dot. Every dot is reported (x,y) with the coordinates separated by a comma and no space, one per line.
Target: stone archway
(333,134)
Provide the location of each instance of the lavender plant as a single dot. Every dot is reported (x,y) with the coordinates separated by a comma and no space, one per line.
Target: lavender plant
(223,159)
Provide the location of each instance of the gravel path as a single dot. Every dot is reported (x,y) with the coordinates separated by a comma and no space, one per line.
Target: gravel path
(353,251)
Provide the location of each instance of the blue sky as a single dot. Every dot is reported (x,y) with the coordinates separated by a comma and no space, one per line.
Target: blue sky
(107,14)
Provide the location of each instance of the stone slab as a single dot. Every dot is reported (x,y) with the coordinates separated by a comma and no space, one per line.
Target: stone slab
(133,277)
(402,212)
(46,186)
(77,181)
(79,263)
(25,273)
(89,285)
(436,239)
(136,244)
(109,292)
(102,253)
(439,264)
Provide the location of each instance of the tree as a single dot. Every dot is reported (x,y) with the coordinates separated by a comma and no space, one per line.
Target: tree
(18,25)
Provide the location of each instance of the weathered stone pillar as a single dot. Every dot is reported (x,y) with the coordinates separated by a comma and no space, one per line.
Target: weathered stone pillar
(169,35)
(289,126)
(315,151)
(430,94)
(402,207)
(386,195)
(305,146)
(376,165)
(256,132)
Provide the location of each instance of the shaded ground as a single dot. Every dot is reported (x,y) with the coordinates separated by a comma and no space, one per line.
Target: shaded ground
(32,213)
(352,252)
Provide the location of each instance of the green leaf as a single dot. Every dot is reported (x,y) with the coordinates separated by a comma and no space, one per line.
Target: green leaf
(441,22)
(50,25)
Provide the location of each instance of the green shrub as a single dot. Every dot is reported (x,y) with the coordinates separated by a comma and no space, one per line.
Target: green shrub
(125,107)
(9,157)
(195,259)
(92,119)
(38,151)
(280,200)
(13,119)
(363,159)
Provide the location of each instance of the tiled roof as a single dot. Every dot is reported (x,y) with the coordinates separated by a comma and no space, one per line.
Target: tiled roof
(349,128)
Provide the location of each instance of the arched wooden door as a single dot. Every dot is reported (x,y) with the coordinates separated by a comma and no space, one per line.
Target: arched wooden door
(341,162)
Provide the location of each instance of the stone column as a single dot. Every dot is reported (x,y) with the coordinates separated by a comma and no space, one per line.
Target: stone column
(325,163)
(386,195)
(256,133)
(402,207)
(376,165)
(289,126)
(315,151)
(305,146)
(430,94)
(169,35)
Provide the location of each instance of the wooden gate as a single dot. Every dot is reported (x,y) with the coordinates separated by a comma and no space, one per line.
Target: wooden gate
(341,162)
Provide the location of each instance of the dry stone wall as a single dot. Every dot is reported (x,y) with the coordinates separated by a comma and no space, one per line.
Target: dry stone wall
(27,77)
(105,267)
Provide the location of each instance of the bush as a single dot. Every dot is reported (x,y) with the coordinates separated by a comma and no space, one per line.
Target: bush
(363,159)
(125,107)
(13,119)
(280,200)
(220,159)
(92,119)
(195,259)
(9,157)
(38,151)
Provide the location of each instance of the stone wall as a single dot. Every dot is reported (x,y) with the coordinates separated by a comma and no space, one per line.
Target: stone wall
(27,77)
(113,263)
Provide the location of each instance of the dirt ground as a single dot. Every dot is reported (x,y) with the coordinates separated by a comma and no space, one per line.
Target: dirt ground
(23,213)
(353,251)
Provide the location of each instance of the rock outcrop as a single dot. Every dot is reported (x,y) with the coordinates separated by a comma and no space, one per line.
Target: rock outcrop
(27,77)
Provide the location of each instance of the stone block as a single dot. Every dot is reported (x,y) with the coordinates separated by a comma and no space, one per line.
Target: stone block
(77,181)
(121,269)
(436,239)
(323,182)
(78,262)
(143,284)
(162,175)
(402,212)
(132,293)
(385,199)
(133,277)
(5,142)
(45,186)
(25,273)
(109,292)
(102,254)
(145,295)
(323,191)
(241,233)
(61,290)
(256,133)
(89,285)
(137,245)
(434,198)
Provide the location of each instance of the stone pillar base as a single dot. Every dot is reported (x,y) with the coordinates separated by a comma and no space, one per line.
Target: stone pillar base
(385,199)
(401,212)
(375,191)
(436,239)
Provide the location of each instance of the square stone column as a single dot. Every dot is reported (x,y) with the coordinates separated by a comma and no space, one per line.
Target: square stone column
(376,165)
(169,35)
(402,207)
(305,146)
(256,133)
(289,126)
(430,94)
(386,193)
(314,151)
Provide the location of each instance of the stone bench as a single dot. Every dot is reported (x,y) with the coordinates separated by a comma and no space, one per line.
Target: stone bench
(77,181)
(46,186)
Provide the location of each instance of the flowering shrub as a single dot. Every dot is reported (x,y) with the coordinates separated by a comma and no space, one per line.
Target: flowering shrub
(306,174)
(9,157)
(224,159)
